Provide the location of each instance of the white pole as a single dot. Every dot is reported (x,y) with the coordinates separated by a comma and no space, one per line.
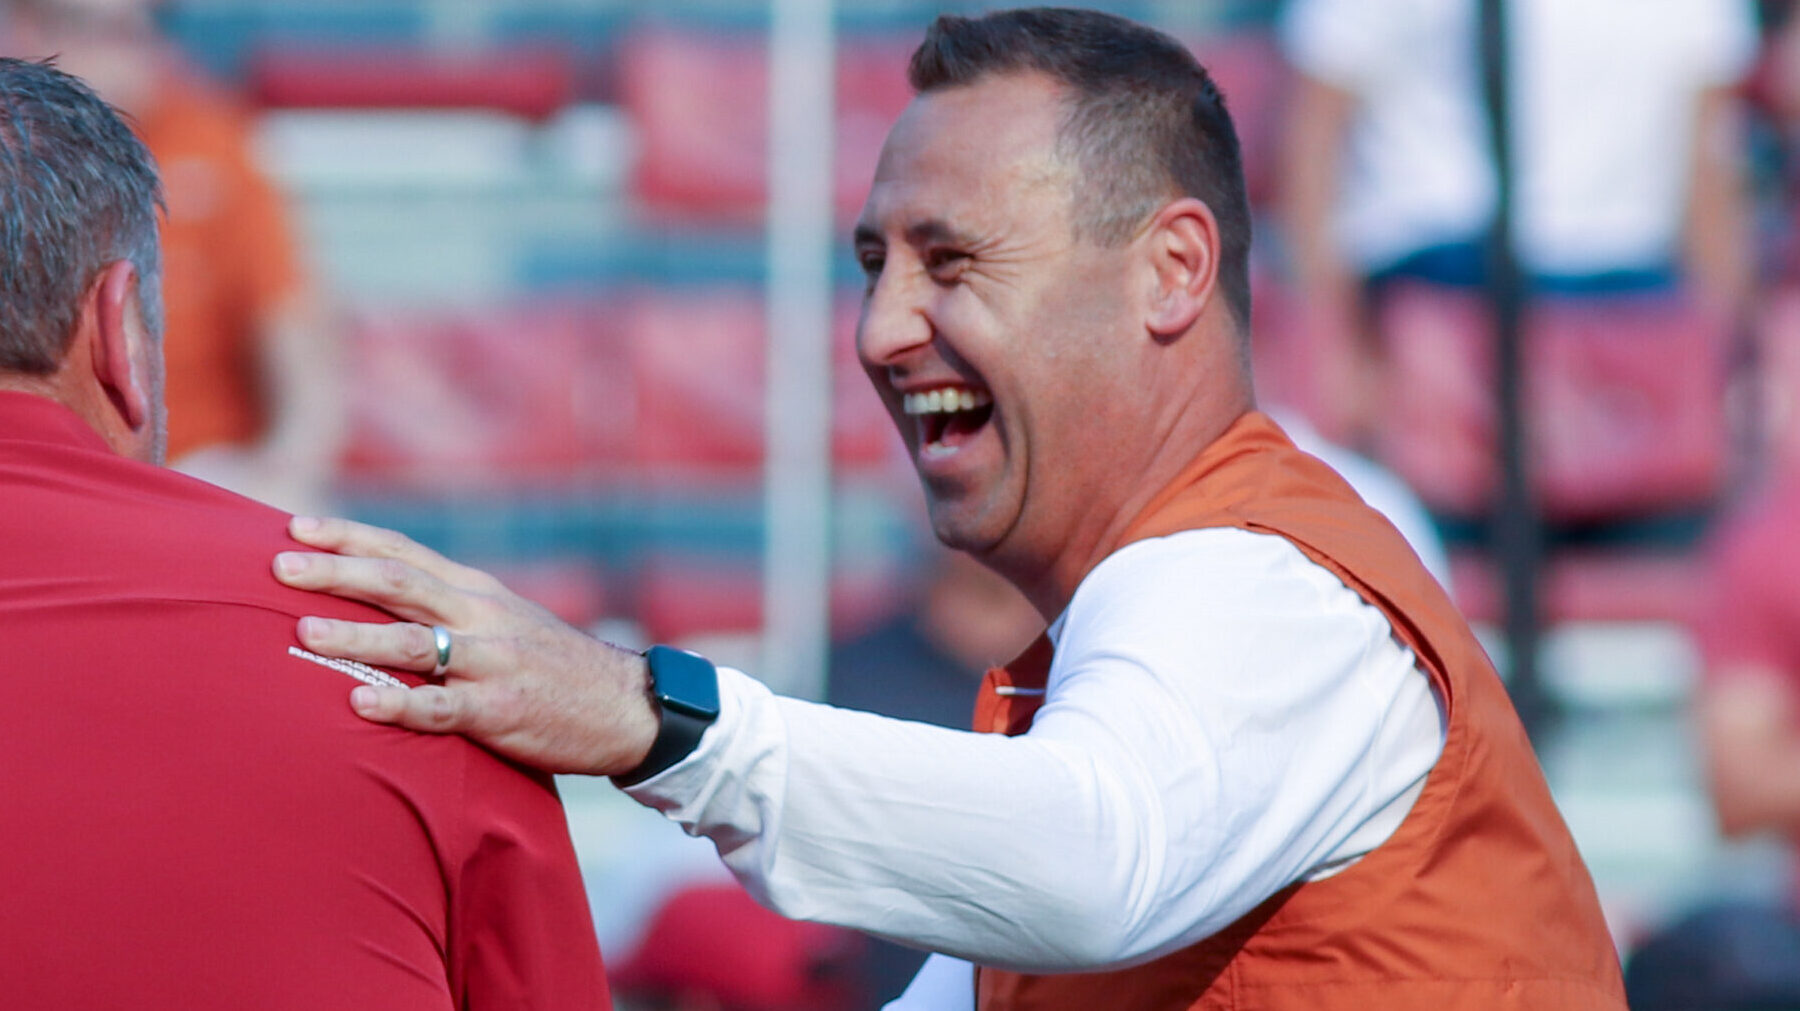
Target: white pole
(797,472)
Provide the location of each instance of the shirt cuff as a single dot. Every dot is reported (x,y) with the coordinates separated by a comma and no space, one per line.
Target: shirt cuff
(718,790)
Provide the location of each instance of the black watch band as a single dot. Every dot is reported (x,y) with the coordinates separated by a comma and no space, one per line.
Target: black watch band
(685,689)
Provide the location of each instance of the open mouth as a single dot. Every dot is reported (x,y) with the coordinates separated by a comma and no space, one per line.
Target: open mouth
(948,415)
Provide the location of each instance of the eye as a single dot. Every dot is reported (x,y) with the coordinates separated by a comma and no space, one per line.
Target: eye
(871,260)
(945,264)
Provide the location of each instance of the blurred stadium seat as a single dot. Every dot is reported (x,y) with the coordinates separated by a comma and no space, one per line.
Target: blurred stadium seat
(531,82)
(699,99)
(1248,67)
(1646,584)
(698,368)
(697,363)
(1283,347)
(679,597)
(574,589)
(466,397)
(1624,402)
(680,594)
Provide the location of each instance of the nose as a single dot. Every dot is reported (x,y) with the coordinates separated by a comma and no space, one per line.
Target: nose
(894,323)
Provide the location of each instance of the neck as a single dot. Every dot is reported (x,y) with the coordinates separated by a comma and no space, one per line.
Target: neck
(86,400)
(36,385)
(1051,586)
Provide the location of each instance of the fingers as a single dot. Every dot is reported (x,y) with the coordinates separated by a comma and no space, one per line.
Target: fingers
(550,697)
(432,708)
(396,644)
(348,537)
(392,584)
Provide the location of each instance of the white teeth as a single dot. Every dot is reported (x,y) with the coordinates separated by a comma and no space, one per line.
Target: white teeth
(944,400)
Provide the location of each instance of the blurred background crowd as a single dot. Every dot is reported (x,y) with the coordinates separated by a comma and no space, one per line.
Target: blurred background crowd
(495,273)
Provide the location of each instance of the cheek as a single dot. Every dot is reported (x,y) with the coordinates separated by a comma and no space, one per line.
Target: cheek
(975,334)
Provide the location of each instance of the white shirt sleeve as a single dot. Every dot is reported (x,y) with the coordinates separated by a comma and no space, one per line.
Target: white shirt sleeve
(942,984)
(1223,718)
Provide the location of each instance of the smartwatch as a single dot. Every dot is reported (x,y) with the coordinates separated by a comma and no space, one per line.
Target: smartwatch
(685,688)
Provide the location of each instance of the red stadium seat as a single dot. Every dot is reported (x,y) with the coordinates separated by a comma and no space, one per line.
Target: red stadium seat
(697,373)
(1624,401)
(665,383)
(1283,348)
(1588,586)
(698,365)
(462,397)
(1249,69)
(679,598)
(700,103)
(573,589)
(529,82)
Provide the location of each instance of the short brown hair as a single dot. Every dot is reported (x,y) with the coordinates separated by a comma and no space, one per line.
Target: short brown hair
(1145,118)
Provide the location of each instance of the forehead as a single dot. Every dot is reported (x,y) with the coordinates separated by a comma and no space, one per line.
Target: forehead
(973,150)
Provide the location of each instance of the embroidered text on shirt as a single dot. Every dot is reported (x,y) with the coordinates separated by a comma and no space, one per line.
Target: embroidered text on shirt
(360,671)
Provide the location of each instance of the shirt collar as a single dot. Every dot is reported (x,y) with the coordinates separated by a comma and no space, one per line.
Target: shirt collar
(27,417)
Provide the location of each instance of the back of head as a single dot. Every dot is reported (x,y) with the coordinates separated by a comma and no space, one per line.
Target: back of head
(1145,122)
(78,190)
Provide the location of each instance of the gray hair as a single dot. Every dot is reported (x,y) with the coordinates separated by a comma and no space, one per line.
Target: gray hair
(1145,121)
(78,191)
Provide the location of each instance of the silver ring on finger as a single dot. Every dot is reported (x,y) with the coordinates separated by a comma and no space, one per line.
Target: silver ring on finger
(441,637)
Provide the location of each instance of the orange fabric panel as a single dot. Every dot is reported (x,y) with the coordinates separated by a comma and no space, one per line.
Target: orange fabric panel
(228,263)
(1479,899)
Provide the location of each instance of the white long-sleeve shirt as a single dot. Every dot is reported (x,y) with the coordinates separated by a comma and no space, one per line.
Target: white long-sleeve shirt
(1223,717)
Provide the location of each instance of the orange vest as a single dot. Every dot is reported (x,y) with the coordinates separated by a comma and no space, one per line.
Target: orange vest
(1478,900)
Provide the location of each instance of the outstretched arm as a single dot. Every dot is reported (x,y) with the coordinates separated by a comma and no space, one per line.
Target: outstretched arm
(1156,798)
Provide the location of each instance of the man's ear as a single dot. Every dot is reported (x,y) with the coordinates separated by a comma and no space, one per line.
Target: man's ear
(1183,248)
(120,362)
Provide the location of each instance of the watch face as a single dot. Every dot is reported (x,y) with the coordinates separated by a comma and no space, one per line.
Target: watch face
(685,682)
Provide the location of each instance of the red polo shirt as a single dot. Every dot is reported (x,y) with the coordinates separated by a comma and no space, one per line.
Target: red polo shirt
(190,814)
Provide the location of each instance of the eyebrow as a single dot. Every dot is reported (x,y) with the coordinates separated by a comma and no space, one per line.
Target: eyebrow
(923,233)
(935,231)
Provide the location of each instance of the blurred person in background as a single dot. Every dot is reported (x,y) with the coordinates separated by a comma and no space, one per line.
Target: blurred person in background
(253,378)
(925,662)
(1744,952)
(1626,140)
(192,818)
(710,947)
(1257,755)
